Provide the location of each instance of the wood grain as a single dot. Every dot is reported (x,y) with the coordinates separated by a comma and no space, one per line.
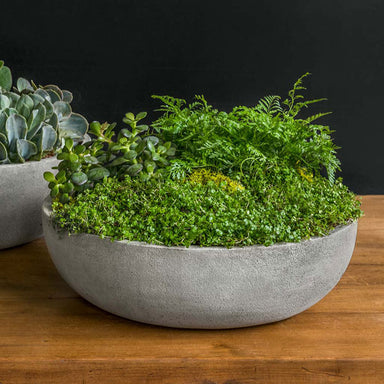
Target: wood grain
(50,335)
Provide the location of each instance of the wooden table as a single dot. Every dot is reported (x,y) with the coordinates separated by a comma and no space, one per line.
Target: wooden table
(48,334)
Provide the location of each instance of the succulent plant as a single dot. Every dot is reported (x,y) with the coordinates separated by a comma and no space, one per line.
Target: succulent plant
(35,120)
(133,152)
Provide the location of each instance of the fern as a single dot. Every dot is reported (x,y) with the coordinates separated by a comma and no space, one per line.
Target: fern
(312,118)
(248,140)
(293,102)
(269,105)
(179,169)
(293,96)
(170,104)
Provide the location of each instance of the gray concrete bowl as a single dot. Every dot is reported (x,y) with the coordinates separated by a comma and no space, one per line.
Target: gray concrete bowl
(200,287)
(22,192)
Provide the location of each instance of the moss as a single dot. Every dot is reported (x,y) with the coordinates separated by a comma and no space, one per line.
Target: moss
(204,176)
(206,214)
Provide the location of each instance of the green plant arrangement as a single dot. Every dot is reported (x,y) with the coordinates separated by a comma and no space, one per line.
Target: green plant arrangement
(35,120)
(204,218)
(200,176)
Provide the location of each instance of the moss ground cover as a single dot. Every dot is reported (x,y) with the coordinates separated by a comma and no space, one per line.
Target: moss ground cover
(188,213)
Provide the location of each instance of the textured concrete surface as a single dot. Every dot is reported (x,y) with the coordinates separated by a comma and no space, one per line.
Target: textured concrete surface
(197,287)
(22,191)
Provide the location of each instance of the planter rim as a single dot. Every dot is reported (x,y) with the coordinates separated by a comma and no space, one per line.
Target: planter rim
(27,162)
(47,211)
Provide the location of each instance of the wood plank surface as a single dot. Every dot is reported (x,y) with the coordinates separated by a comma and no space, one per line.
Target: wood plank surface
(48,334)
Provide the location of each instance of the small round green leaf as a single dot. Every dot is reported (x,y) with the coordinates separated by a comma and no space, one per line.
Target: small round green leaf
(95,128)
(171,151)
(68,187)
(130,155)
(150,146)
(68,143)
(126,133)
(141,115)
(134,169)
(73,157)
(91,160)
(64,198)
(118,161)
(98,173)
(50,177)
(61,176)
(142,128)
(63,156)
(79,178)
(154,139)
(130,117)
(79,149)
(55,191)
(140,147)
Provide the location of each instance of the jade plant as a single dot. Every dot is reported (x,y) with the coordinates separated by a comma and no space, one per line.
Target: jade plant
(35,120)
(132,151)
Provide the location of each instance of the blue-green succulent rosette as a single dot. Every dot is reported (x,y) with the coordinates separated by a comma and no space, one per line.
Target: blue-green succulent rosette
(35,120)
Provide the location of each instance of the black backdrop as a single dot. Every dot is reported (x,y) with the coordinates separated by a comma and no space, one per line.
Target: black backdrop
(114,54)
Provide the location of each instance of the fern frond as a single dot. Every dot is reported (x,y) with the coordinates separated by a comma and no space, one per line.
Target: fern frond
(312,118)
(170,103)
(293,96)
(269,105)
(179,169)
(201,103)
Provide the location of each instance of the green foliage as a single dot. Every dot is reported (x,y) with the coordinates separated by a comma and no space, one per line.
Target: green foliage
(134,152)
(34,121)
(250,176)
(247,138)
(186,213)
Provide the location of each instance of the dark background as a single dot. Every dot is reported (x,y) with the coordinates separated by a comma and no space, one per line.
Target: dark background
(114,54)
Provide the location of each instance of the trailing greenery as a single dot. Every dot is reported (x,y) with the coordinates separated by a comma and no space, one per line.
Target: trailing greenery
(188,213)
(34,121)
(131,152)
(247,138)
(250,176)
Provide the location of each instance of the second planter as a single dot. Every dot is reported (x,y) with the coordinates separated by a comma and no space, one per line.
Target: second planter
(22,192)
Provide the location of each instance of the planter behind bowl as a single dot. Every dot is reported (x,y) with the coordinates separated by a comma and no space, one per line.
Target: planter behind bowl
(22,191)
(197,287)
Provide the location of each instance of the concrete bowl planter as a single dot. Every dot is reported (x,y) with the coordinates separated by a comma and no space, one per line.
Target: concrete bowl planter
(22,192)
(200,287)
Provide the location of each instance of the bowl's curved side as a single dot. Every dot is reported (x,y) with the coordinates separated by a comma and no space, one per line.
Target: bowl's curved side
(22,192)
(197,287)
